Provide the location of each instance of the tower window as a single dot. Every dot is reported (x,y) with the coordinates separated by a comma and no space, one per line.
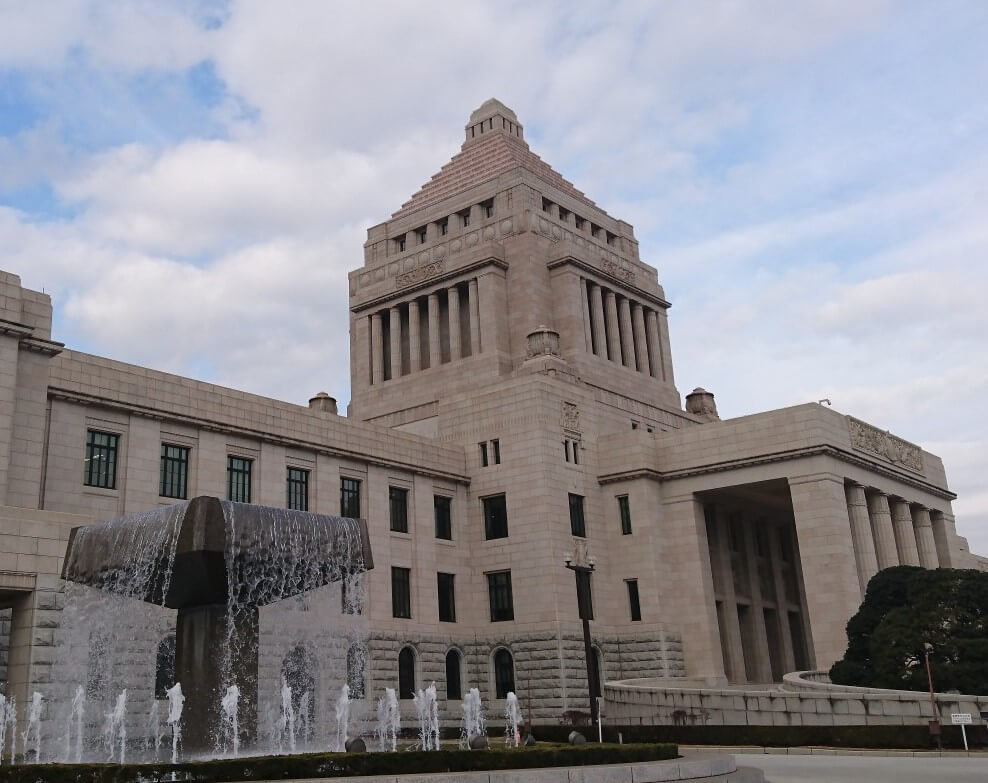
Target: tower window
(624,510)
(499,590)
(488,207)
(447,597)
(401,592)
(400,243)
(101,459)
(465,217)
(577,521)
(495,517)
(398,504)
(423,235)
(633,602)
(443,227)
(444,516)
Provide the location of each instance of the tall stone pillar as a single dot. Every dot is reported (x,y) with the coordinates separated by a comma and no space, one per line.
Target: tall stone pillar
(945,535)
(688,567)
(414,336)
(641,350)
(377,350)
(664,349)
(720,566)
(763,658)
(881,528)
(587,339)
(652,334)
(597,313)
(905,538)
(474,293)
(864,544)
(627,338)
(613,333)
(435,347)
(826,554)
(925,542)
(453,294)
(778,578)
(395,328)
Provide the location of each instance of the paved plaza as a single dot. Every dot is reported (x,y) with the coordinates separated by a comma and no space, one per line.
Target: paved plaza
(870,768)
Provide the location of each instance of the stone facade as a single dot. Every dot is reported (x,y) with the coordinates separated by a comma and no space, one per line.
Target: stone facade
(506,341)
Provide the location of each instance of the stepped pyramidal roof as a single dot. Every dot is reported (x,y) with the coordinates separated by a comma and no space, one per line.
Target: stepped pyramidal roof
(495,143)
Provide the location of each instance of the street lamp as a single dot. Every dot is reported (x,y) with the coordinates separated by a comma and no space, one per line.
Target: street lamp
(935,723)
(582,568)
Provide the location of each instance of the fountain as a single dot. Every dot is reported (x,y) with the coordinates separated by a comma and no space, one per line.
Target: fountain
(512,720)
(388,721)
(343,717)
(116,727)
(34,725)
(427,709)
(230,706)
(176,703)
(474,723)
(8,723)
(218,564)
(73,727)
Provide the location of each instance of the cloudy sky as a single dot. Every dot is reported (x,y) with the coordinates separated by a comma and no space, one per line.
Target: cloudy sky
(191,181)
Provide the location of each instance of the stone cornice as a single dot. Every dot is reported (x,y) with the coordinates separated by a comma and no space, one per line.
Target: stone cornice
(612,275)
(781,456)
(42,346)
(15,329)
(208,425)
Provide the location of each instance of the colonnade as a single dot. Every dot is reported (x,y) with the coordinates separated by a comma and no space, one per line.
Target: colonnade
(625,331)
(888,531)
(440,327)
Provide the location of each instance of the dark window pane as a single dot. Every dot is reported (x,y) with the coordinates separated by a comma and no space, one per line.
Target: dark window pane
(499,589)
(401,595)
(636,610)
(504,674)
(447,599)
(483,454)
(577,523)
(398,499)
(406,673)
(101,459)
(238,470)
(444,517)
(454,690)
(174,471)
(495,517)
(496,449)
(297,489)
(350,498)
(624,509)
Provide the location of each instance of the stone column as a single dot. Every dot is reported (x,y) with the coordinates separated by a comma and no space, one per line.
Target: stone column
(881,528)
(945,535)
(414,336)
(925,542)
(395,327)
(905,538)
(587,339)
(781,601)
(864,544)
(613,334)
(627,339)
(597,313)
(731,646)
(664,350)
(377,350)
(826,555)
(763,658)
(641,351)
(474,292)
(435,352)
(652,334)
(453,294)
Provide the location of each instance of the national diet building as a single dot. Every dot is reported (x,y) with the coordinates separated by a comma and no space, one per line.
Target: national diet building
(514,409)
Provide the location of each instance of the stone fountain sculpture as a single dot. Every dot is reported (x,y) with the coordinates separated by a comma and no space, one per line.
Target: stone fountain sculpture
(216,563)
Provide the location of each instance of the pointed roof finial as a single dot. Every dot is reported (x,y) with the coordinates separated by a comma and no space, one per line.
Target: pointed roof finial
(493,117)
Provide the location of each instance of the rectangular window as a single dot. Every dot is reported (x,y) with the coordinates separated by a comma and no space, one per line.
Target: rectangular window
(577,522)
(101,459)
(401,592)
(483,455)
(488,207)
(496,451)
(495,517)
(465,218)
(499,588)
(443,227)
(444,516)
(398,503)
(297,489)
(447,598)
(624,511)
(174,471)
(238,471)
(423,235)
(350,498)
(636,609)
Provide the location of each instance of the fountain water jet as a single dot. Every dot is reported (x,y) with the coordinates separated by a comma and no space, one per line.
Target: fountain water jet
(474,723)
(73,727)
(342,717)
(512,720)
(388,721)
(217,563)
(116,727)
(229,705)
(34,726)
(176,703)
(427,709)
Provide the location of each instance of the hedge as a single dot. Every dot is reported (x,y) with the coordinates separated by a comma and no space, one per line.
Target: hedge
(330,765)
(915,737)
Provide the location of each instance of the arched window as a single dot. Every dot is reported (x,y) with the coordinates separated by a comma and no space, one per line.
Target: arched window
(356,662)
(454,690)
(296,668)
(406,673)
(164,667)
(504,673)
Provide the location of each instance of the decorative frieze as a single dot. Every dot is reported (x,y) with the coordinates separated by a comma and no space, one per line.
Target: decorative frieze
(571,417)
(883,443)
(612,269)
(417,275)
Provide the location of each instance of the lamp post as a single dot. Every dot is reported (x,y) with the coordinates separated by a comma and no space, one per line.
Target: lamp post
(935,722)
(582,568)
